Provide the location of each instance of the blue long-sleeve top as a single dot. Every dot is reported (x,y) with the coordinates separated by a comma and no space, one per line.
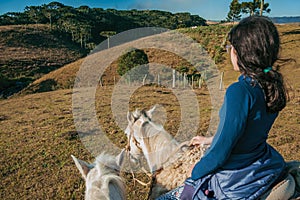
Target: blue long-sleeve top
(242,132)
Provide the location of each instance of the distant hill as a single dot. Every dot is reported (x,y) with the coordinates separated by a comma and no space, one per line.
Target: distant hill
(30,51)
(85,24)
(285,20)
(44,38)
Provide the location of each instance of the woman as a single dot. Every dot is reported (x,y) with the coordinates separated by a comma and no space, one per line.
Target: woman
(240,164)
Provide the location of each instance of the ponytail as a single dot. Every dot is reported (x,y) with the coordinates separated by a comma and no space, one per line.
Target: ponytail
(274,89)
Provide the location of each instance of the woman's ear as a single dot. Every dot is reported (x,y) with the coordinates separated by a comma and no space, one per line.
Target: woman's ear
(233,56)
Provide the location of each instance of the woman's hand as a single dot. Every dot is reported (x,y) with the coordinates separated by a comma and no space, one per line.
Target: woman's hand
(198,140)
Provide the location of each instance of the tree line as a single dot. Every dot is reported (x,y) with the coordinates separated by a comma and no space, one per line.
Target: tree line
(86,25)
(255,7)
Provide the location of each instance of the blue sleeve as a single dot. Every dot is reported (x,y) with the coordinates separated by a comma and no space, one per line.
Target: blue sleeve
(233,119)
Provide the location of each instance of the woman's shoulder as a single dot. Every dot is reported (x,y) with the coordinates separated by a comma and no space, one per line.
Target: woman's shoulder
(244,85)
(246,89)
(237,88)
(237,94)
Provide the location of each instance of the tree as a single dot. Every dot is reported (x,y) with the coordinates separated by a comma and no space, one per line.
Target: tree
(234,13)
(264,7)
(84,34)
(55,5)
(108,34)
(255,7)
(261,7)
(84,9)
(34,13)
(14,18)
(129,62)
(51,12)
(247,8)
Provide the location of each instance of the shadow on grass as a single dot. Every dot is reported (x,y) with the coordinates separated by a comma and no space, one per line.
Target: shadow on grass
(293,32)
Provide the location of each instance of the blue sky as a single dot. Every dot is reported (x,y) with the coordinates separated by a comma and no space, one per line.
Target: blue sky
(208,9)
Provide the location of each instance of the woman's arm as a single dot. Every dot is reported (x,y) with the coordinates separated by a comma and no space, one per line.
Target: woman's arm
(233,118)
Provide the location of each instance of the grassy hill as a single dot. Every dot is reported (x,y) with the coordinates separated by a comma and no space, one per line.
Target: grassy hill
(30,51)
(62,78)
(38,135)
(210,37)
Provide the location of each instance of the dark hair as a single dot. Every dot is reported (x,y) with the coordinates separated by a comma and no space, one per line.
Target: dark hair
(256,42)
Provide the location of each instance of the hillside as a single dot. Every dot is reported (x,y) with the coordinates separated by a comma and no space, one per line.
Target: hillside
(30,51)
(285,20)
(62,78)
(210,37)
(89,26)
(54,34)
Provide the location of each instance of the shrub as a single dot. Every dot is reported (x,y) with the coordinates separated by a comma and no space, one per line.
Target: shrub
(129,62)
(4,82)
(218,54)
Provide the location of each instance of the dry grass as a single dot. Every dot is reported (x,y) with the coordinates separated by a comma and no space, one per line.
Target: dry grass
(30,51)
(38,135)
(62,78)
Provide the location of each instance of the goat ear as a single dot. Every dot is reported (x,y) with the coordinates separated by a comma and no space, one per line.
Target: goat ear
(120,158)
(130,117)
(82,166)
(150,112)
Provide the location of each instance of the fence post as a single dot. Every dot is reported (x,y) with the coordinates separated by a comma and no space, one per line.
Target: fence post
(178,79)
(192,81)
(174,79)
(158,80)
(200,82)
(144,79)
(184,80)
(221,81)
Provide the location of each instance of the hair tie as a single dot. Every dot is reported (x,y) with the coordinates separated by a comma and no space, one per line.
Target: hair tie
(266,70)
